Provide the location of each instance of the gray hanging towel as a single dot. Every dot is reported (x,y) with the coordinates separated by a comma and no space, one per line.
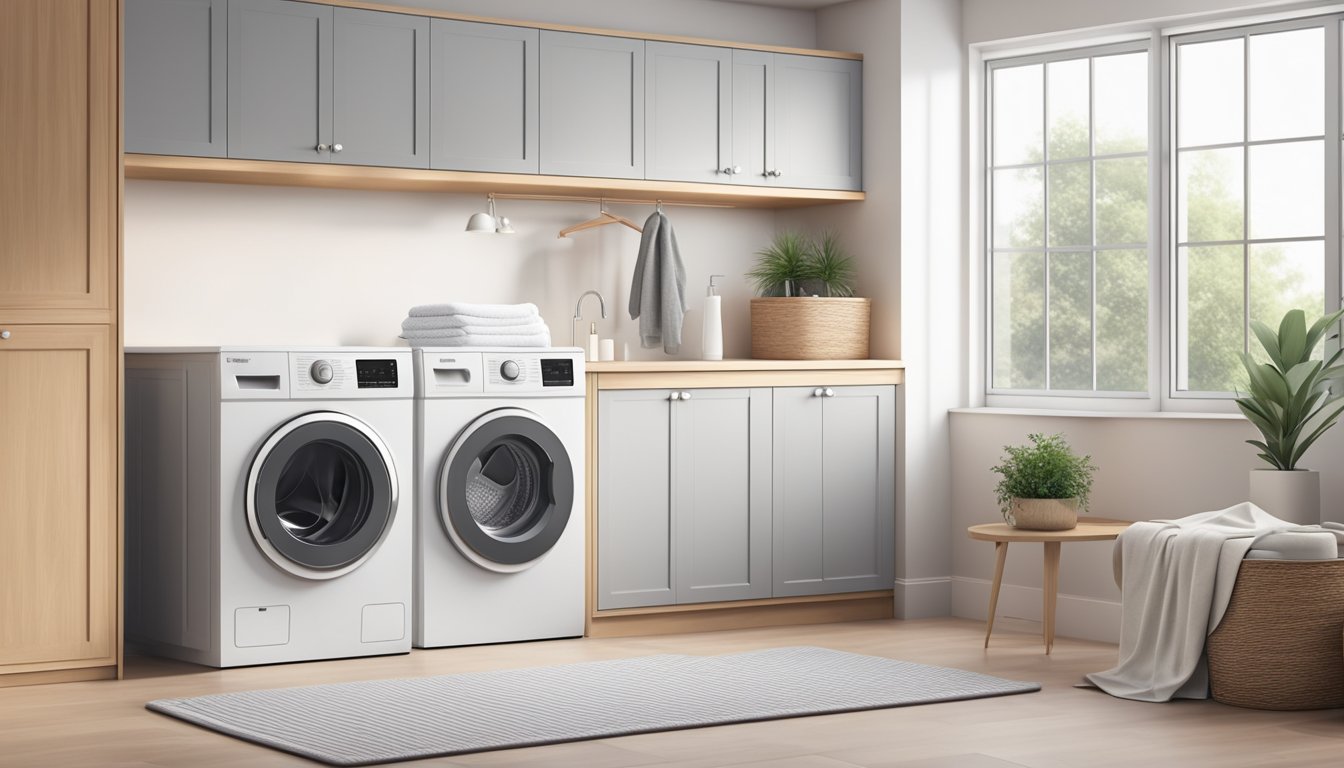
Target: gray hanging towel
(658,291)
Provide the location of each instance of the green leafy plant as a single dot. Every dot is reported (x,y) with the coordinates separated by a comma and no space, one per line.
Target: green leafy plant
(1290,394)
(793,258)
(1046,469)
(783,265)
(832,266)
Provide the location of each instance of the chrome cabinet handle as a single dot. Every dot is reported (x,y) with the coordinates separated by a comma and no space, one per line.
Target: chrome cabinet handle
(4,334)
(674,396)
(321,147)
(336,147)
(830,392)
(776,173)
(818,392)
(732,170)
(685,395)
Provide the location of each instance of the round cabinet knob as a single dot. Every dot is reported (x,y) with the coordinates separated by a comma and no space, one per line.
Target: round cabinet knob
(321,147)
(321,372)
(4,334)
(830,392)
(336,147)
(685,395)
(509,370)
(818,392)
(674,396)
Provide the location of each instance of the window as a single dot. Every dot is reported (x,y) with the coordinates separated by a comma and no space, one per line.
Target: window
(1120,242)
(1250,184)
(1069,223)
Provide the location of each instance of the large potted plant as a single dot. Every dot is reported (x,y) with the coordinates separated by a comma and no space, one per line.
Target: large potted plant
(1291,402)
(1043,485)
(806,308)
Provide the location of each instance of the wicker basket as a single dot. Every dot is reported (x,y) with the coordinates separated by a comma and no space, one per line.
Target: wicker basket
(810,328)
(1043,514)
(1279,646)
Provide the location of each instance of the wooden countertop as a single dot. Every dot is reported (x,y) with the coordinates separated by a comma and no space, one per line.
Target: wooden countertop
(698,366)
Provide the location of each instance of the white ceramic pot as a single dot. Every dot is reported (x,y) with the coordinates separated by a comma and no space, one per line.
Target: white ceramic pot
(1293,495)
(1043,514)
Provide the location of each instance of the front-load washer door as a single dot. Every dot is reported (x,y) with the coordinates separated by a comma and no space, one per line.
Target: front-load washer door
(321,495)
(506,490)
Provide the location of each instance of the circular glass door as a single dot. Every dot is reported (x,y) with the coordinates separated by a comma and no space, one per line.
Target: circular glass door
(506,490)
(321,495)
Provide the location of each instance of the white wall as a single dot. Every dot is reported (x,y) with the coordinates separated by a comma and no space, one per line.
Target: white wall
(1153,467)
(225,264)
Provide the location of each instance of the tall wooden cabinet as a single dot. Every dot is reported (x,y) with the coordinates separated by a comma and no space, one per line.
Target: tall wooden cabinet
(59,340)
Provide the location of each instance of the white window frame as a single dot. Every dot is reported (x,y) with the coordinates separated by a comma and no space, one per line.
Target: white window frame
(1162,394)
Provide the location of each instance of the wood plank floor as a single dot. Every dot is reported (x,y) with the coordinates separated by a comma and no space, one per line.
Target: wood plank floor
(105,723)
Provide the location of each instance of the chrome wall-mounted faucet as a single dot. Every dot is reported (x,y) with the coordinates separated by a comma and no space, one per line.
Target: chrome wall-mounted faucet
(578,314)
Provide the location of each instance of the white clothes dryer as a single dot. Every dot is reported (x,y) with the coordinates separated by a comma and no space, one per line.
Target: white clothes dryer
(499,522)
(267,517)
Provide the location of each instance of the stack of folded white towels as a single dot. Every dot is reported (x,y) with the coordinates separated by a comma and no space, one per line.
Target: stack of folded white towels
(459,324)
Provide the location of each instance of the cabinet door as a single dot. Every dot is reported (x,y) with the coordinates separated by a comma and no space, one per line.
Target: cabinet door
(688,97)
(175,84)
(818,122)
(484,97)
(58,533)
(58,192)
(636,532)
(380,102)
(280,73)
(835,496)
(753,116)
(721,487)
(592,105)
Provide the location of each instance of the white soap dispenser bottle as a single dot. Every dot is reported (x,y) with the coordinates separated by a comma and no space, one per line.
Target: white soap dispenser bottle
(711,333)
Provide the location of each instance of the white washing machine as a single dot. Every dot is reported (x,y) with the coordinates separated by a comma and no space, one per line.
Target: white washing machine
(267,503)
(499,523)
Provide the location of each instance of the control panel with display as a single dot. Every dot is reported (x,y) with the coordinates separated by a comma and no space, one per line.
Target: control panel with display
(557,372)
(376,374)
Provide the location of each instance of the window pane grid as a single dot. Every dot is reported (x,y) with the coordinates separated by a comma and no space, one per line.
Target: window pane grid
(1065,177)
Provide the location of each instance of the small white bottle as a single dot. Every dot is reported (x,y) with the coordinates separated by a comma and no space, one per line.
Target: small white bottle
(711,332)
(592,342)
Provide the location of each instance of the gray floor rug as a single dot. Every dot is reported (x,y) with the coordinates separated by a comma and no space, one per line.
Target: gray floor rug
(387,720)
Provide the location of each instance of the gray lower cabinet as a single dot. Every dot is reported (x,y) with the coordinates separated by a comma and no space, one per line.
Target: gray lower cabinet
(834,489)
(688,103)
(280,69)
(316,84)
(683,496)
(175,77)
(484,97)
(818,123)
(380,104)
(592,105)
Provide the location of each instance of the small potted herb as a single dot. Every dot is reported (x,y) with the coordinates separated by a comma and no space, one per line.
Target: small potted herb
(1043,485)
(806,308)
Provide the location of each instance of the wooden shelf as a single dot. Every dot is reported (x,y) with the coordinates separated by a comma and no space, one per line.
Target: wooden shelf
(331,176)
(680,366)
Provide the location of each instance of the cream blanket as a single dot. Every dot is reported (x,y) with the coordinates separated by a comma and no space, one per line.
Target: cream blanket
(1176,577)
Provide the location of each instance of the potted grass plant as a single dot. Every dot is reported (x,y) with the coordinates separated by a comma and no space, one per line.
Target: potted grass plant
(806,309)
(1043,485)
(1292,403)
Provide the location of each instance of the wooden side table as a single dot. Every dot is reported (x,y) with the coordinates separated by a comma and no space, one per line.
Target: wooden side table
(1002,534)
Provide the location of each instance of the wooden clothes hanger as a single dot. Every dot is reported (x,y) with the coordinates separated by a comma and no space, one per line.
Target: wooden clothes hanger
(603,219)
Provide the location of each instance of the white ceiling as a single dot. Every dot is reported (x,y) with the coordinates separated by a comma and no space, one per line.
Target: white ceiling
(804,5)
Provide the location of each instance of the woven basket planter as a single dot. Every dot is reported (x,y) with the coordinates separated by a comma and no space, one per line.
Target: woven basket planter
(1281,643)
(810,328)
(1043,514)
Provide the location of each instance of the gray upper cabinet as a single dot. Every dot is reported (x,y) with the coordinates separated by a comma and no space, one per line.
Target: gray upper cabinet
(818,123)
(592,105)
(753,117)
(380,104)
(175,77)
(636,534)
(484,97)
(688,112)
(280,71)
(834,489)
(721,493)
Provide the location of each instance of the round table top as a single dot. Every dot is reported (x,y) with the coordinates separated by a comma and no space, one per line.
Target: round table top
(1089,529)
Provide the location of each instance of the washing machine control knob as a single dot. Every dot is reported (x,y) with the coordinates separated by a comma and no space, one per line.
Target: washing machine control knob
(509,370)
(321,372)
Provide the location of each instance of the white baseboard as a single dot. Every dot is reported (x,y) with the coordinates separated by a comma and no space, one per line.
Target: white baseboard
(924,598)
(1020,607)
